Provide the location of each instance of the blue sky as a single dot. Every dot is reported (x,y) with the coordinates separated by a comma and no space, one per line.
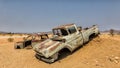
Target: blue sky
(43,15)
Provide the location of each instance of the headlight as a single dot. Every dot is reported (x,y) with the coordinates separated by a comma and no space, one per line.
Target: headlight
(44,51)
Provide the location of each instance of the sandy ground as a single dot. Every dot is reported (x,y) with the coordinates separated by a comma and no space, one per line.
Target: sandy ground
(101,52)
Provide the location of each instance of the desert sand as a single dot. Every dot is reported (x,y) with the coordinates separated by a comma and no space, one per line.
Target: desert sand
(101,52)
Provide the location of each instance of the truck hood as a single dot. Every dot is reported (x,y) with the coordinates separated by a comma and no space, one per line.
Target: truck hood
(47,45)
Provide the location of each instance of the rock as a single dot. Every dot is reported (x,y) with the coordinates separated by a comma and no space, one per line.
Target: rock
(111,59)
(117,58)
(59,61)
(114,59)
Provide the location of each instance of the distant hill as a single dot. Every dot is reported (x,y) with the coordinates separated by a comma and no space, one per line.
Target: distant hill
(3,32)
(115,31)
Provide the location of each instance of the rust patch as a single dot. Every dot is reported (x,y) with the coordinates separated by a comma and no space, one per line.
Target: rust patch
(53,48)
(44,45)
(36,40)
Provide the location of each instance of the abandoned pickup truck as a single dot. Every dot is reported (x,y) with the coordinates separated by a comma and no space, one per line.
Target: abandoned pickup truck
(65,36)
(31,40)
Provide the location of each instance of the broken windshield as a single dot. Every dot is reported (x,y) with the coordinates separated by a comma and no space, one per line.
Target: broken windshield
(60,32)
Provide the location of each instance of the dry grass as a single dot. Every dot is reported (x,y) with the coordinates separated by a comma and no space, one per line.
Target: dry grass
(101,52)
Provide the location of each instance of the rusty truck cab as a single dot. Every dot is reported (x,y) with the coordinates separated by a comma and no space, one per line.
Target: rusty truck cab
(64,30)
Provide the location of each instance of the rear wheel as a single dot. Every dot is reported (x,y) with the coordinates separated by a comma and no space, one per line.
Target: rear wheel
(92,36)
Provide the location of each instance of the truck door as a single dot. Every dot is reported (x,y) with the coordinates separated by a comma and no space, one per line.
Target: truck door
(74,38)
(79,39)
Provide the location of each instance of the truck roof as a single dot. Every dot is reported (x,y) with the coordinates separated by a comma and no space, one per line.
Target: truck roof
(63,26)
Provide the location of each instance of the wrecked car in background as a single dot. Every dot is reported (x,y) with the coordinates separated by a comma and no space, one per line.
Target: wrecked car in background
(31,40)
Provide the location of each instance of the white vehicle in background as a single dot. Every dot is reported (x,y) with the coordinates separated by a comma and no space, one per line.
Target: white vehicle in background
(65,36)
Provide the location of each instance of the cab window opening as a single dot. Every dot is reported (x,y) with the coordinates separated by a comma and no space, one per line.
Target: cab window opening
(72,30)
(64,32)
(60,32)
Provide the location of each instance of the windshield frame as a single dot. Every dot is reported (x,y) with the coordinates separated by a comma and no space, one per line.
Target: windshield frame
(60,32)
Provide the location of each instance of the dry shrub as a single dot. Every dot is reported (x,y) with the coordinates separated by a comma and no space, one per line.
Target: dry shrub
(10,39)
(20,34)
(118,33)
(111,32)
(3,34)
(24,38)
